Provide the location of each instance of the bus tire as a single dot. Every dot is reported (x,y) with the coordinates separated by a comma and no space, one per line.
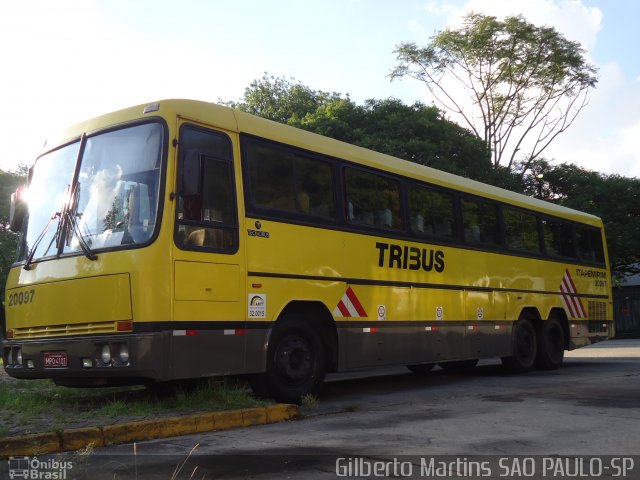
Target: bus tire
(459,366)
(551,344)
(421,367)
(524,347)
(295,363)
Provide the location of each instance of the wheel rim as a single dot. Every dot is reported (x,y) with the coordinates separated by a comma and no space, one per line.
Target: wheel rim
(555,342)
(294,360)
(525,343)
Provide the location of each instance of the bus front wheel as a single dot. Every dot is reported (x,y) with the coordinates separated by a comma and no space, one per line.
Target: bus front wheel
(524,347)
(295,363)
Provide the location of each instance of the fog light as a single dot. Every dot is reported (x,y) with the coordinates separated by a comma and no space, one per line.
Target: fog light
(30,364)
(87,363)
(19,356)
(106,354)
(124,353)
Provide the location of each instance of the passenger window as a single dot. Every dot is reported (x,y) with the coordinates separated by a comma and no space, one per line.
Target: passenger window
(373,199)
(521,231)
(558,238)
(283,180)
(431,212)
(207,218)
(480,222)
(590,245)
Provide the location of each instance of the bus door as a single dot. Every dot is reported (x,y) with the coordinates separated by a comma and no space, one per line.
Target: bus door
(209,313)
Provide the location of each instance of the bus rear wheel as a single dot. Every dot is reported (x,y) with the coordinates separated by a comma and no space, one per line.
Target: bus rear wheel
(551,345)
(295,363)
(524,347)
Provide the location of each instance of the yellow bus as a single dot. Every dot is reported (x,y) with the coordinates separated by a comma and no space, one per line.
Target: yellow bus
(183,239)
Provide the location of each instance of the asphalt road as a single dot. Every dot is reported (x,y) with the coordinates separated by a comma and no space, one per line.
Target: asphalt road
(589,407)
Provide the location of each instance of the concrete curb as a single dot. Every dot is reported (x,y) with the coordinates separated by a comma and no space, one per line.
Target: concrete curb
(138,431)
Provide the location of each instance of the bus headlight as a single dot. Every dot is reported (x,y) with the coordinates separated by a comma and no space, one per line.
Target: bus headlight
(106,355)
(19,356)
(124,353)
(10,357)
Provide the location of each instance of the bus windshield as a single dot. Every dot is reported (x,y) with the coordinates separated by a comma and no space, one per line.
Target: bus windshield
(113,203)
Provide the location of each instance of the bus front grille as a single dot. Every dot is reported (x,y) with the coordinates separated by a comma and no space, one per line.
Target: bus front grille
(67,330)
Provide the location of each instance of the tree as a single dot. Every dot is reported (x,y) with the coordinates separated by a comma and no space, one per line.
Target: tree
(9,181)
(526,84)
(281,100)
(416,132)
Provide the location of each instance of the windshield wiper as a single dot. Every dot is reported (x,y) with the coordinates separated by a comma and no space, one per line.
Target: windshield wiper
(32,251)
(71,216)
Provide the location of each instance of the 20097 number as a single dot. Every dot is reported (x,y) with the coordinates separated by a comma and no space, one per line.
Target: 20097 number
(20,298)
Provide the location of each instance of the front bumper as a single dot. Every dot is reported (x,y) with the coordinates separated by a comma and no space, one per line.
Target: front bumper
(82,360)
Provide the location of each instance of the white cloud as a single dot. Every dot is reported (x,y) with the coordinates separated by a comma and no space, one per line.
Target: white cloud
(576,21)
(606,136)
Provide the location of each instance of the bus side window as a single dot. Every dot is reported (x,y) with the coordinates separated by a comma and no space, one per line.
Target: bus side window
(521,230)
(431,212)
(480,222)
(558,238)
(285,181)
(589,241)
(207,218)
(373,199)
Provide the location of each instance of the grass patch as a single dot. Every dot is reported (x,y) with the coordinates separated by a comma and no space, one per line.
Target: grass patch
(31,406)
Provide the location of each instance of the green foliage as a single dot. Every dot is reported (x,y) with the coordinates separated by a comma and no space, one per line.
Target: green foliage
(526,83)
(417,133)
(281,100)
(9,181)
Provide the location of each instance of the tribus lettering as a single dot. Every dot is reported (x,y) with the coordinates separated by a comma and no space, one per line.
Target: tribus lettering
(412,258)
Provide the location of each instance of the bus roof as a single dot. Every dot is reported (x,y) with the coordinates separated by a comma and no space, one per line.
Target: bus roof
(235,120)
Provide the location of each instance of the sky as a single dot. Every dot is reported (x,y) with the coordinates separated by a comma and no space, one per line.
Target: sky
(64,61)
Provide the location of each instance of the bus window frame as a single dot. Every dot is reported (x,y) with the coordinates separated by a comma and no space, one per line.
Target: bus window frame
(252,208)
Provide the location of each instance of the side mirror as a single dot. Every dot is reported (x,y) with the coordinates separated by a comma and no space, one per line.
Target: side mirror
(191,174)
(18,209)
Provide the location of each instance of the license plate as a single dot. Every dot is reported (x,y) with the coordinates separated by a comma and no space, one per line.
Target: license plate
(55,359)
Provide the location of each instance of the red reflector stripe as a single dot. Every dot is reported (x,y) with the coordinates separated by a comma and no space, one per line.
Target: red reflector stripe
(191,333)
(355,302)
(237,331)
